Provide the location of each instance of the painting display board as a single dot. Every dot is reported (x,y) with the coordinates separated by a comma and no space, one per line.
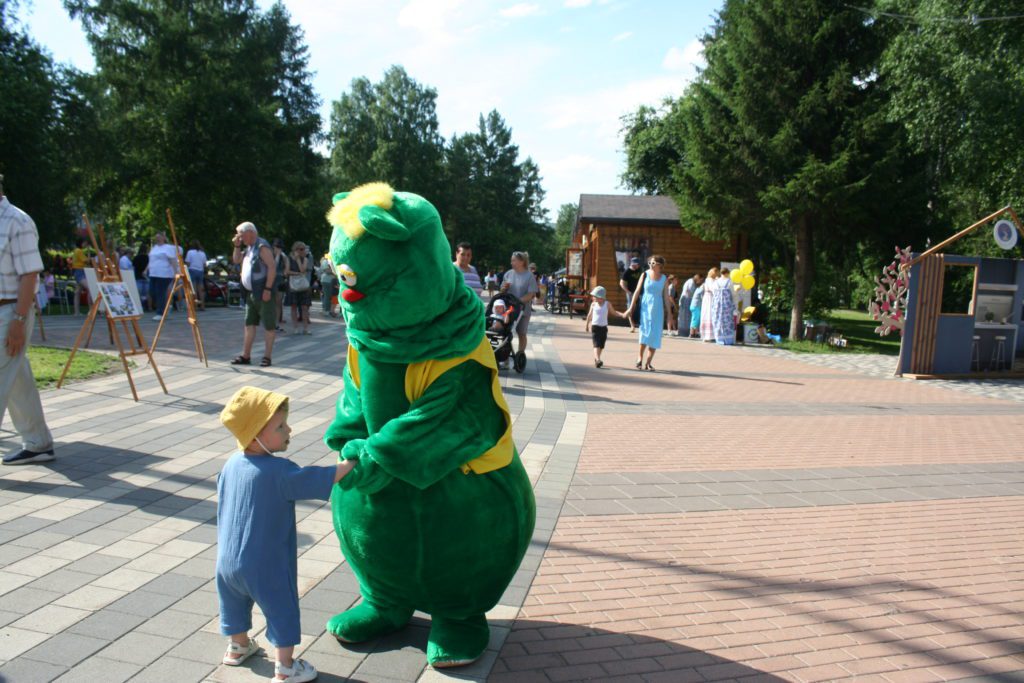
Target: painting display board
(118,300)
(122,316)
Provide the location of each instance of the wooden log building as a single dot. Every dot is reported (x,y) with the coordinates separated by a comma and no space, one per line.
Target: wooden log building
(611,229)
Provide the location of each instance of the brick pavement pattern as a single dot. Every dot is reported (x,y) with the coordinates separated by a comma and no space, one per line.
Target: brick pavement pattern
(740,514)
(743,515)
(107,555)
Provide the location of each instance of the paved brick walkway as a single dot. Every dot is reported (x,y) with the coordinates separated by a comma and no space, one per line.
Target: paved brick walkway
(744,515)
(739,514)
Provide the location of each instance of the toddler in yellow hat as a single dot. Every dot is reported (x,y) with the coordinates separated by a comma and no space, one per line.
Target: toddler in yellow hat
(256,541)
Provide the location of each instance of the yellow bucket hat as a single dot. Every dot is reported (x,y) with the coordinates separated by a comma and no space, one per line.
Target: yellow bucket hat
(248,411)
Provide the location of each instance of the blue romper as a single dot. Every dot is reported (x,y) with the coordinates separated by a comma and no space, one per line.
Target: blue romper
(256,543)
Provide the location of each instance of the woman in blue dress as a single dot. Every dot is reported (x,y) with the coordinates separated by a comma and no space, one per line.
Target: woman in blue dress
(654,303)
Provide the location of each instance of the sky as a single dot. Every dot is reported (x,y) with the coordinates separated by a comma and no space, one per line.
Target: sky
(561,73)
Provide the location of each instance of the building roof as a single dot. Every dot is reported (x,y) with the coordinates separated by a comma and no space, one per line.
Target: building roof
(627,209)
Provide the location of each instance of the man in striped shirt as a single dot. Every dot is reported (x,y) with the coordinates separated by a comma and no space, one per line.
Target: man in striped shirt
(20,265)
(463,255)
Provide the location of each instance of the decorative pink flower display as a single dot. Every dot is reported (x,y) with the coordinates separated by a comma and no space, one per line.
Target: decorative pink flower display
(890,302)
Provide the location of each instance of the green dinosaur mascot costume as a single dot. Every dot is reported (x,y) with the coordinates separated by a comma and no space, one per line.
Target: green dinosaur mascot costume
(438,512)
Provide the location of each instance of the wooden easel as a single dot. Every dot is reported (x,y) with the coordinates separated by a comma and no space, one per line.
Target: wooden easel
(107,264)
(108,271)
(181,282)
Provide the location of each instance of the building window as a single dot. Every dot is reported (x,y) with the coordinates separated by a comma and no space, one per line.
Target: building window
(627,248)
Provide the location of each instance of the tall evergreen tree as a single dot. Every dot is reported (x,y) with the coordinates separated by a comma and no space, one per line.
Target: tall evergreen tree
(498,203)
(388,131)
(780,136)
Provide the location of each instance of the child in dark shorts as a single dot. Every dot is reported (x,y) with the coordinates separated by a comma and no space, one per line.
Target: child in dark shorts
(597,321)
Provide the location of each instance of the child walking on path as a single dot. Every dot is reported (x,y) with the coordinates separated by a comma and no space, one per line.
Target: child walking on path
(256,542)
(597,322)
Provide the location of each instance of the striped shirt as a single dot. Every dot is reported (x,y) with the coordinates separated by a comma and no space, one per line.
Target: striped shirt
(471,277)
(19,248)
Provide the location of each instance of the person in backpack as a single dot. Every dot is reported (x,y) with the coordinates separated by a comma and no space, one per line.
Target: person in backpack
(259,273)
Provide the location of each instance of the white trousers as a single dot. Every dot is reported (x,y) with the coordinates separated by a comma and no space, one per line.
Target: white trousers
(18,392)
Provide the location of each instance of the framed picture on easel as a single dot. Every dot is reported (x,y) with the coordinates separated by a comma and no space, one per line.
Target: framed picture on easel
(118,300)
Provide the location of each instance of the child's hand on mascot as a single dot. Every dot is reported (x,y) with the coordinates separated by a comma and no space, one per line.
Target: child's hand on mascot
(367,476)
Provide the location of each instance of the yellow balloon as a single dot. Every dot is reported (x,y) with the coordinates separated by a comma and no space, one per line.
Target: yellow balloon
(746,267)
(736,276)
(748,282)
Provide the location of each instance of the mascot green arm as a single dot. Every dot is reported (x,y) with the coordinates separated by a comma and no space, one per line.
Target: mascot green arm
(349,422)
(446,427)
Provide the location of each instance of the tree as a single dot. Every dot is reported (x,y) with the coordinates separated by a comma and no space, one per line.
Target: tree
(956,79)
(388,132)
(30,127)
(212,113)
(565,224)
(779,137)
(498,205)
(654,146)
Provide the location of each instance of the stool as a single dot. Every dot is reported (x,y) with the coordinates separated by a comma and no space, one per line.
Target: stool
(998,352)
(975,354)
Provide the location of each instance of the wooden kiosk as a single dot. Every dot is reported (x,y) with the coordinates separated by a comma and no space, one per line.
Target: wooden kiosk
(964,313)
(612,229)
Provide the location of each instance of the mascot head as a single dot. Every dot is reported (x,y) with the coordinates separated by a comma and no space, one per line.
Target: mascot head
(391,257)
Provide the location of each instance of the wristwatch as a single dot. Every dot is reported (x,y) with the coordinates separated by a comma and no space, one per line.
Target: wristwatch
(19,317)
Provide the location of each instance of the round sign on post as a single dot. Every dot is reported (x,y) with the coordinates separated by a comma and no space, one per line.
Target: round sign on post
(1005,234)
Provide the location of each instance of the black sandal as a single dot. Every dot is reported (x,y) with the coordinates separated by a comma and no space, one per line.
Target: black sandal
(265,363)
(240,360)
(639,364)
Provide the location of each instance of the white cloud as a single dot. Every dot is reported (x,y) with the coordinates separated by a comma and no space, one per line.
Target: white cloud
(685,59)
(521,10)
(432,18)
(575,4)
(599,112)
(572,164)
(622,36)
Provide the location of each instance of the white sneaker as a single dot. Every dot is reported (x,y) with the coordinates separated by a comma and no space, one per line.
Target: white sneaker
(299,672)
(158,317)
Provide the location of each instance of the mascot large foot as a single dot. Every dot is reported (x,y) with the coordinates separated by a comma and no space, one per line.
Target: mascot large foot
(366,622)
(456,642)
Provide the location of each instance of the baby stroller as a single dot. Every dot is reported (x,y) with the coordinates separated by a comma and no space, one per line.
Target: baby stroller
(501,325)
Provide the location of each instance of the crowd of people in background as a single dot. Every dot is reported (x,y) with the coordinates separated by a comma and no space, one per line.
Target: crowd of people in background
(701,307)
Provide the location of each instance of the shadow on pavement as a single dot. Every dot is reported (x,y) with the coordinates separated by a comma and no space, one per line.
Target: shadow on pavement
(89,467)
(567,652)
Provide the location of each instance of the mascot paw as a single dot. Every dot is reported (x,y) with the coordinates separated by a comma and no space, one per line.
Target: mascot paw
(352,449)
(367,477)
(456,642)
(366,622)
